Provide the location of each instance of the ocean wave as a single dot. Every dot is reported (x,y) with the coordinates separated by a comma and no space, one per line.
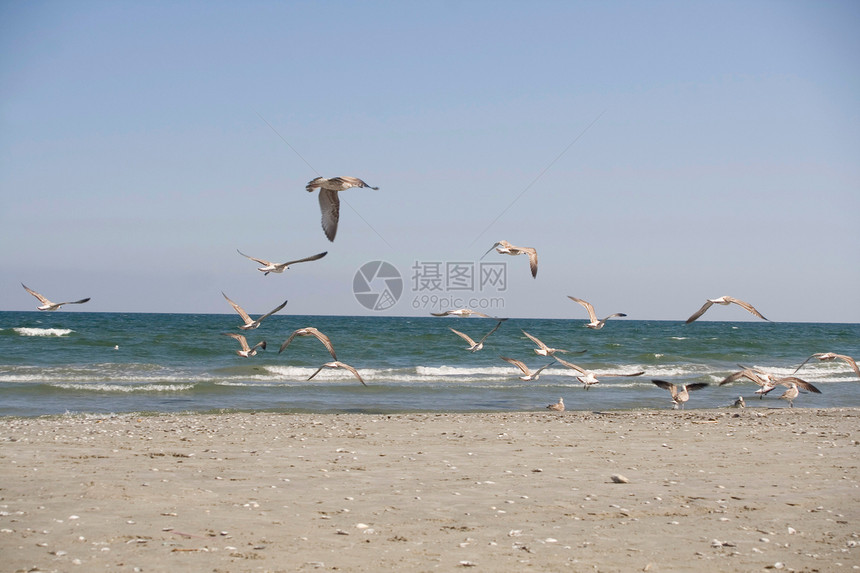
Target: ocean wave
(27,331)
(128,388)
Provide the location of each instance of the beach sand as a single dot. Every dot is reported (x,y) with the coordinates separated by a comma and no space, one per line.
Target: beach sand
(714,490)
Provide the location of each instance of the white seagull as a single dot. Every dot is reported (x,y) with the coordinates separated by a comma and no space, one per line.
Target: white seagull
(251,324)
(559,407)
(310,331)
(725,301)
(246,351)
(329,201)
(588,377)
(832,356)
(595,323)
(679,397)
(767,381)
(543,349)
(463,312)
(48,305)
(790,394)
(270,267)
(476,346)
(337,364)
(505,248)
(527,374)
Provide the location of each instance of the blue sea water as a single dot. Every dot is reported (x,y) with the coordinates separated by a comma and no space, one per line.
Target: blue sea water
(80,362)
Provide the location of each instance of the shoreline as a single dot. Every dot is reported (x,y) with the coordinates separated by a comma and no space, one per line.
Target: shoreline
(726,489)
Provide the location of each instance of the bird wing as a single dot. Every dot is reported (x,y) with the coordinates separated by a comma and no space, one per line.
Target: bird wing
(463,336)
(311,258)
(535,340)
(533,261)
(271,312)
(700,312)
(324,339)
(330,209)
(617,314)
(351,369)
(261,344)
(666,386)
(541,369)
(571,365)
(586,305)
(314,183)
(495,328)
(746,306)
(747,373)
(440,313)
(518,363)
(696,386)
(82,301)
(640,373)
(239,309)
(288,340)
(850,361)
(807,360)
(42,299)
(317,372)
(800,384)
(242,340)
(352,182)
(261,261)
(490,249)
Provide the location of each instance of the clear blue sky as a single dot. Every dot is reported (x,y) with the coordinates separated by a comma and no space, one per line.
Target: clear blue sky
(656,153)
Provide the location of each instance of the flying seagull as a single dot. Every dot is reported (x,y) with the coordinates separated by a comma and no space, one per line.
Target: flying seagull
(559,407)
(543,349)
(505,248)
(337,364)
(464,312)
(595,323)
(831,356)
(767,381)
(251,324)
(310,331)
(725,301)
(589,378)
(329,201)
(679,397)
(48,305)
(476,346)
(246,351)
(270,267)
(527,374)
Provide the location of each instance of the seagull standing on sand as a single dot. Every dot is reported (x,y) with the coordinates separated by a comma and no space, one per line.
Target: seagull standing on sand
(270,267)
(559,407)
(48,305)
(827,356)
(528,375)
(679,397)
(476,346)
(505,248)
(739,403)
(337,364)
(246,351)
(310,331)
(589,378)
(595,323)
(768,381)
(725,301)
(790,394)
(249,323)
(329,201)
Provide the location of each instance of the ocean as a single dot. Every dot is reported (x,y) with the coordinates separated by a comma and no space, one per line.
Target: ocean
(101,363)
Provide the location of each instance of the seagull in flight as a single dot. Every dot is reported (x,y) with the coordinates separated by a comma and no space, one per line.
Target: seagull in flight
(337,364)
(505,248)
(543,349)
(679,396)
(527,374)
(329,201)
(246,351)
(476,346)
(310,331)
(464,312)
(270,267)
(725,301)
(251,324)
(589,378)
(768,381)
(595,323)
(48,305)
(827,356)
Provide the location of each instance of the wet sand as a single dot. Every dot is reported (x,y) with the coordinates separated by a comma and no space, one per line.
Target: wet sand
(714,490)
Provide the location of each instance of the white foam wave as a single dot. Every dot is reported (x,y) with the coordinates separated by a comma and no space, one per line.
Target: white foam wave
(126,387)
(25,331)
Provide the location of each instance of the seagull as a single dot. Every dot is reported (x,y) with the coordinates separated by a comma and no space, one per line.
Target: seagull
(505,248)
(767,381)
(831,356)
(247,351)
(790,394)
(329,201)
(476,346)
(739,403)
(559,407)
(310,331)
(270,267)
(527,374)
(679,397)
(543,349)
(725,301)
(589,378)
(251,324)
(595,323)
(337,364)
(48,305)
(464,312)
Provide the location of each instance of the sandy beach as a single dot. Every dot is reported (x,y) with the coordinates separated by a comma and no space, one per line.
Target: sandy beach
(715,490)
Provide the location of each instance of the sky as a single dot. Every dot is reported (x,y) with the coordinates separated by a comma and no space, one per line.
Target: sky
(655,154)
